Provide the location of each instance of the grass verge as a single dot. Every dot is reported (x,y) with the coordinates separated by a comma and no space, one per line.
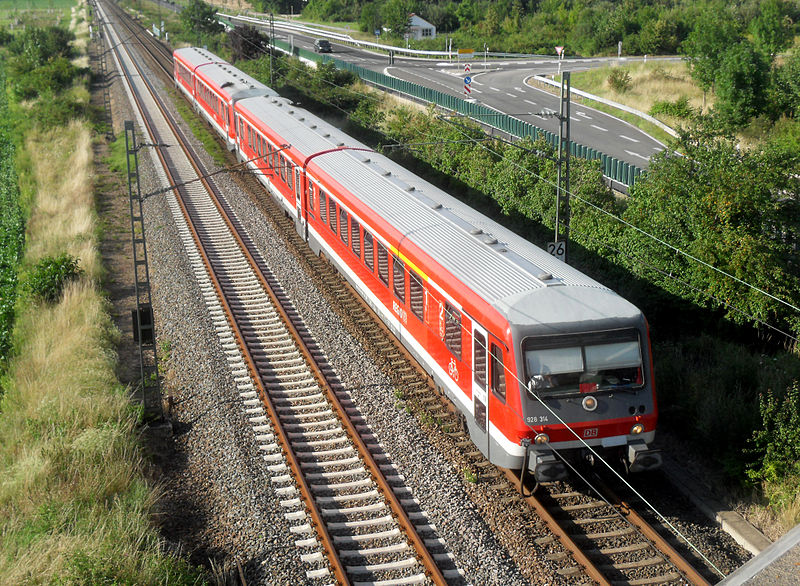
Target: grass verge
(75,502)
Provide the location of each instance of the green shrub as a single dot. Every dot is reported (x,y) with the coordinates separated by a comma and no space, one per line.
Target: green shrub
(777,443)
(48,277)
(619,80)
(54,76)
(680,108)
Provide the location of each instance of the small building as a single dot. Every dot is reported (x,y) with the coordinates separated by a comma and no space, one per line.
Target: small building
(419,28)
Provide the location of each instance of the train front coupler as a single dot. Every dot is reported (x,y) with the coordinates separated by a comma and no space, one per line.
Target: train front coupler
(541,461)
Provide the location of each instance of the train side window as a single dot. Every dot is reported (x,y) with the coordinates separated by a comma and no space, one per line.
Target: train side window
(310,194)
(399,278)
(355,236)
(332,215)
(452,329)
(369,255)
(283,168)
(383,264)
(323,206)
(343,225)
(479,359)
(498,372)
(297,186)
(416,295)
(289,172)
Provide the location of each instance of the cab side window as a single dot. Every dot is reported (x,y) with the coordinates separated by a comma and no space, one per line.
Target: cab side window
(498,372)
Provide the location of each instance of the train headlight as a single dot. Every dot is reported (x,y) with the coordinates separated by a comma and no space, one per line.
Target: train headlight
(637,429)
(541,438)
(589,403)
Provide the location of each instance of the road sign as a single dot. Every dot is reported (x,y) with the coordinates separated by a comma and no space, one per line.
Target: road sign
(467,90)
(467,80)
(467,67)
(559,50)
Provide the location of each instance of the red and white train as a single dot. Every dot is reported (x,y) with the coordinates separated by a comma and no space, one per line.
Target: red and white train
(544,362)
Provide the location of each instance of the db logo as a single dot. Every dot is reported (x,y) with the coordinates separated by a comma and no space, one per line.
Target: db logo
(591,432)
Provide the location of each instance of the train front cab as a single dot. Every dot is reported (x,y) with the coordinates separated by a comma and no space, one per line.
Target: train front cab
(588,389)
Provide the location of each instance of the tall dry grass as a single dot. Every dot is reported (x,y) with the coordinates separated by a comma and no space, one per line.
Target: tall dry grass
(64,219)
(651,82)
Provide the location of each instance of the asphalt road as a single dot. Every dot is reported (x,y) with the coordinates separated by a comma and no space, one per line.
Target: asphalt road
(503,85)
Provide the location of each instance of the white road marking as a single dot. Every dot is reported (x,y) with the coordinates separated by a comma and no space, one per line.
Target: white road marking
(628,138)
(519,89)
(637,155)
(542,117)
(494,89)
(476,82)
(658,149)
(599,127)
(511,95)
(474,91)
(584,115)
(530,102)
(575,119)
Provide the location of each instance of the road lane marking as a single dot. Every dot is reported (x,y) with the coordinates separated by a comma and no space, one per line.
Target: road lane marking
(519,89)
(628,138)
(599,127)
(530,102)
(511,95)
(584,115)
(494,89)
(637,155)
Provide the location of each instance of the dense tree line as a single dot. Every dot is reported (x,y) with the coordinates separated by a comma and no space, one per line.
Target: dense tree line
(585,27)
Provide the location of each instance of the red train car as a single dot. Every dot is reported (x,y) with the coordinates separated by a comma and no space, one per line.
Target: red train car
(544,363)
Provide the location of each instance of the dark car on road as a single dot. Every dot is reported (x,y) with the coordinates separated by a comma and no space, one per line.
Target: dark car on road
(323,46)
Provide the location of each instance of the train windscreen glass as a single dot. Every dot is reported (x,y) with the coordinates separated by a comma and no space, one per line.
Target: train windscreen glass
(583,364)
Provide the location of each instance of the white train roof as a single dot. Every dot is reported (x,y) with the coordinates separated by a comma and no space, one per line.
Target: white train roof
(236,83)
(519,279)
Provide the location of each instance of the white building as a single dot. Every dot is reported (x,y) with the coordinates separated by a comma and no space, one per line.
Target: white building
(419,28)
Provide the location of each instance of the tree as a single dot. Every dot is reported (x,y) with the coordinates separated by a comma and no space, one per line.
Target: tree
(396,15)
(772,28)
(370,19)
(731,209)
(741,82)
(714,32)
(247,42)
(200,18)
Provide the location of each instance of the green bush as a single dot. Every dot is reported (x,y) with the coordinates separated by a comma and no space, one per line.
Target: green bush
(54,76)
(619,80)
(777,443)
(680,108)
(48,277)
(12,227)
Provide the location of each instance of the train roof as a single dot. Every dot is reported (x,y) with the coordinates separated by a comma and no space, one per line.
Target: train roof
(522,281)
(236,84)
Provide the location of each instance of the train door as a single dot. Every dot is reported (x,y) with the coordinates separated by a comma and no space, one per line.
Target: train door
(479,426)
(298,201)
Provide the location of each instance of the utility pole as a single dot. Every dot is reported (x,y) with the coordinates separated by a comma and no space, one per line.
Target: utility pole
(271,48)
(561,240)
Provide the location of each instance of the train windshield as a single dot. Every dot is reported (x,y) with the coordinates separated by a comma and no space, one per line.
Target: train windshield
(599,361)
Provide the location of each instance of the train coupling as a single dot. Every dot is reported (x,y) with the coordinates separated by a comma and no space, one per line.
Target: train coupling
(640,458)
(542,462)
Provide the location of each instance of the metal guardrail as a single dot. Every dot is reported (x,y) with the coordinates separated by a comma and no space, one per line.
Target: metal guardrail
(613,168)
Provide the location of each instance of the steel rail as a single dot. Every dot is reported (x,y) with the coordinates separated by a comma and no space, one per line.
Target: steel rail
(589,568)
(428,563)
(650,533)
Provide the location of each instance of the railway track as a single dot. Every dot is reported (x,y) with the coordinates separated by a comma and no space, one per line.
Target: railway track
(594,539)
(351,514)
